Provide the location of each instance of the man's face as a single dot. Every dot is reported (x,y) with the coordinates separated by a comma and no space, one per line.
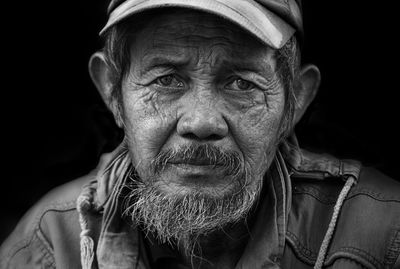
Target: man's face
(197,80)
(202,108)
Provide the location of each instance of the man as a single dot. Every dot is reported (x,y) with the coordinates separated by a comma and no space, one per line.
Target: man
(209,174)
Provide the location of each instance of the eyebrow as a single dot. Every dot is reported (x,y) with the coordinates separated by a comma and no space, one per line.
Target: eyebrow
(249,66)
(179,61)
(163,61)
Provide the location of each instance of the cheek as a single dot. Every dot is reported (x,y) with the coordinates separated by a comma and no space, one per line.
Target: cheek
(257,132)
(259,127)
(148,122)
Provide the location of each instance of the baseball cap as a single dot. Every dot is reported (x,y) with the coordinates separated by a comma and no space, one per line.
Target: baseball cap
(274,22)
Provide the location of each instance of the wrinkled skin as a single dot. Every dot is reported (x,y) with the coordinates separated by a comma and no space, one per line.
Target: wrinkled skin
(197,79)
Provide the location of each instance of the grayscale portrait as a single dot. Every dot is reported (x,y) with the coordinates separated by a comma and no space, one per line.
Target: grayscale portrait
(206,134)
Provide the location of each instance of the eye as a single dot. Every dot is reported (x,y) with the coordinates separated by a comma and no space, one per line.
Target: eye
(169,81)
(244,84)
(240,85)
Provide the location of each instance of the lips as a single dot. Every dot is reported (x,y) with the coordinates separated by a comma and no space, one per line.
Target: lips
(194,161)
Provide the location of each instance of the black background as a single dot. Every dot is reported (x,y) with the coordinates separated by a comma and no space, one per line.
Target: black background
(56,126)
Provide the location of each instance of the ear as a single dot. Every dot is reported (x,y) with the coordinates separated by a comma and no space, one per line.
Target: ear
(306,88)
(101,77)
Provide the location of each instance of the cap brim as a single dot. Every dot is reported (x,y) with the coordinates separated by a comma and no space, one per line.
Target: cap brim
(248,14)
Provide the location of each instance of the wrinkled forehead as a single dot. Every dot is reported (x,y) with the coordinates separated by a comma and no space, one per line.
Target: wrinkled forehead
(191,22)
(194,28)
(187,38)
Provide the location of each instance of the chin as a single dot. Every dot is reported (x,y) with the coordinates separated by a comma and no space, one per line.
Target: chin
(212,186)
(174,208)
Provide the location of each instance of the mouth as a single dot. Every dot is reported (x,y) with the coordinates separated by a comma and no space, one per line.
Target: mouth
(194,162)
(195,166)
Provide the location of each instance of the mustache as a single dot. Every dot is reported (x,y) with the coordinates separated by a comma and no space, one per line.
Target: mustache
(199,154)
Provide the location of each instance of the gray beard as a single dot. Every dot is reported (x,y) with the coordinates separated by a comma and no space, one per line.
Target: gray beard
(180,220)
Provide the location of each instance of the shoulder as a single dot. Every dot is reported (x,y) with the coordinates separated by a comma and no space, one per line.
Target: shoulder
(51,222)
(368,227)
(376,185)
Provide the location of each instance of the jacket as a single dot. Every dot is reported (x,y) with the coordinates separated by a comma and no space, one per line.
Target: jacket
(327,213)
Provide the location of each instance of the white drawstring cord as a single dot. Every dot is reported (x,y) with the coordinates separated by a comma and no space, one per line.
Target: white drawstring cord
(86,242)
(331,228)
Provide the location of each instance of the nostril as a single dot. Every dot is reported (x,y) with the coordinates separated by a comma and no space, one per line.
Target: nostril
(211,137)
(202,125)
(214,137)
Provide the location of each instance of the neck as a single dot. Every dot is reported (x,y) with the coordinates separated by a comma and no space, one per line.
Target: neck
(219,249)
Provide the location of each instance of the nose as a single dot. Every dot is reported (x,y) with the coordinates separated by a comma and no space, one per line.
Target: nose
(202,122)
